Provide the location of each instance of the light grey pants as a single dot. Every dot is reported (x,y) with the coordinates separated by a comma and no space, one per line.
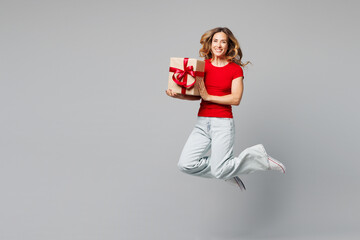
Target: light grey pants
(218,134)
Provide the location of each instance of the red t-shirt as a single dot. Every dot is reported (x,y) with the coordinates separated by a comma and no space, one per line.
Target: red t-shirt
(218,82)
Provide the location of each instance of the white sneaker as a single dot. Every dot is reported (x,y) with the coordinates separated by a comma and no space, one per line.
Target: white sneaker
(273,163)
(236,180)
(276,165)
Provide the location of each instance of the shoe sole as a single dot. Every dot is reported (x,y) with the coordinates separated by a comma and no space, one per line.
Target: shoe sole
(240,183)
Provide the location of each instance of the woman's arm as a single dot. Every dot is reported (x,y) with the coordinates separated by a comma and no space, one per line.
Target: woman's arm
(170,93)
(234,98)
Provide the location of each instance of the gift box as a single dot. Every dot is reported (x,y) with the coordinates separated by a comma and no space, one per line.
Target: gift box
(183,74)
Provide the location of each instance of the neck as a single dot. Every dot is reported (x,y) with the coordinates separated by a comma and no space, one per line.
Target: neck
(219,62)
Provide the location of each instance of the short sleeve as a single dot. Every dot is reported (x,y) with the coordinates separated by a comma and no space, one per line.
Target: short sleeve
(238,72)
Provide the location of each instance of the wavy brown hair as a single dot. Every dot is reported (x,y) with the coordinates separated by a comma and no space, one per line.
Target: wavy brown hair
(233,54)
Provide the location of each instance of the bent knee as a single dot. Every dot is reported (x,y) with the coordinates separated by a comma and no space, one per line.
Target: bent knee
(189,168)
(183,167)
(184,164)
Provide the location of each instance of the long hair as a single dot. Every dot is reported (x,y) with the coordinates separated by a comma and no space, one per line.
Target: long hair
(233,54)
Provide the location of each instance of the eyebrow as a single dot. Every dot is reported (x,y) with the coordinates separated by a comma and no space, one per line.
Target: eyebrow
(220,39)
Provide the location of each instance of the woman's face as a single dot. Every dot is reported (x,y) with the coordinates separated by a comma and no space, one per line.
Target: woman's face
(219,45)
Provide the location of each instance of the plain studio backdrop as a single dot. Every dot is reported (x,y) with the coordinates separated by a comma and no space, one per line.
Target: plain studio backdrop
(90,141)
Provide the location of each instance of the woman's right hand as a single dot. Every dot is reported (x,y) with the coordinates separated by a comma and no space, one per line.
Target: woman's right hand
(173,94)
(170,93)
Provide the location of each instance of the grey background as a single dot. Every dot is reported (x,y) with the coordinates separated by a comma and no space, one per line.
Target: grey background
(89,140)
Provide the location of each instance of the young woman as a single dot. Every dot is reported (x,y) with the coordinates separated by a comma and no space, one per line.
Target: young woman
(215,130)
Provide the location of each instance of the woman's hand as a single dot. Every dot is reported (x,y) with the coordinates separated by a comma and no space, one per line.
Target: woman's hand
(202,90)
(173,94)
(170,93)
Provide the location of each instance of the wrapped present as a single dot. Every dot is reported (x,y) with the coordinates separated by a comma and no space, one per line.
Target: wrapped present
(183,74)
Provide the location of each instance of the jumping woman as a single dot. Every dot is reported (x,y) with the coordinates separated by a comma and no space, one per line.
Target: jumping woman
(221,88)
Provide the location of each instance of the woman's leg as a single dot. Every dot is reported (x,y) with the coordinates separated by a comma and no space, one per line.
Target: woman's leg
(193,160)
(223,164)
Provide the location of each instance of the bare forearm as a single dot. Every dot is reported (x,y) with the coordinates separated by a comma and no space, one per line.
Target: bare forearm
(226,100)
(233,98)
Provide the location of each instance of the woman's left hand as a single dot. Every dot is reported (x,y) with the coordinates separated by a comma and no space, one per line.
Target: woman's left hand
(202,90)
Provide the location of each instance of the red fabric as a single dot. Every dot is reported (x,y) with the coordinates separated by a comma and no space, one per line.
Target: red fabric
(218,82)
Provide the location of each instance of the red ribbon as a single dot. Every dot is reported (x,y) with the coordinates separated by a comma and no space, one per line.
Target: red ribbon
(180,76)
